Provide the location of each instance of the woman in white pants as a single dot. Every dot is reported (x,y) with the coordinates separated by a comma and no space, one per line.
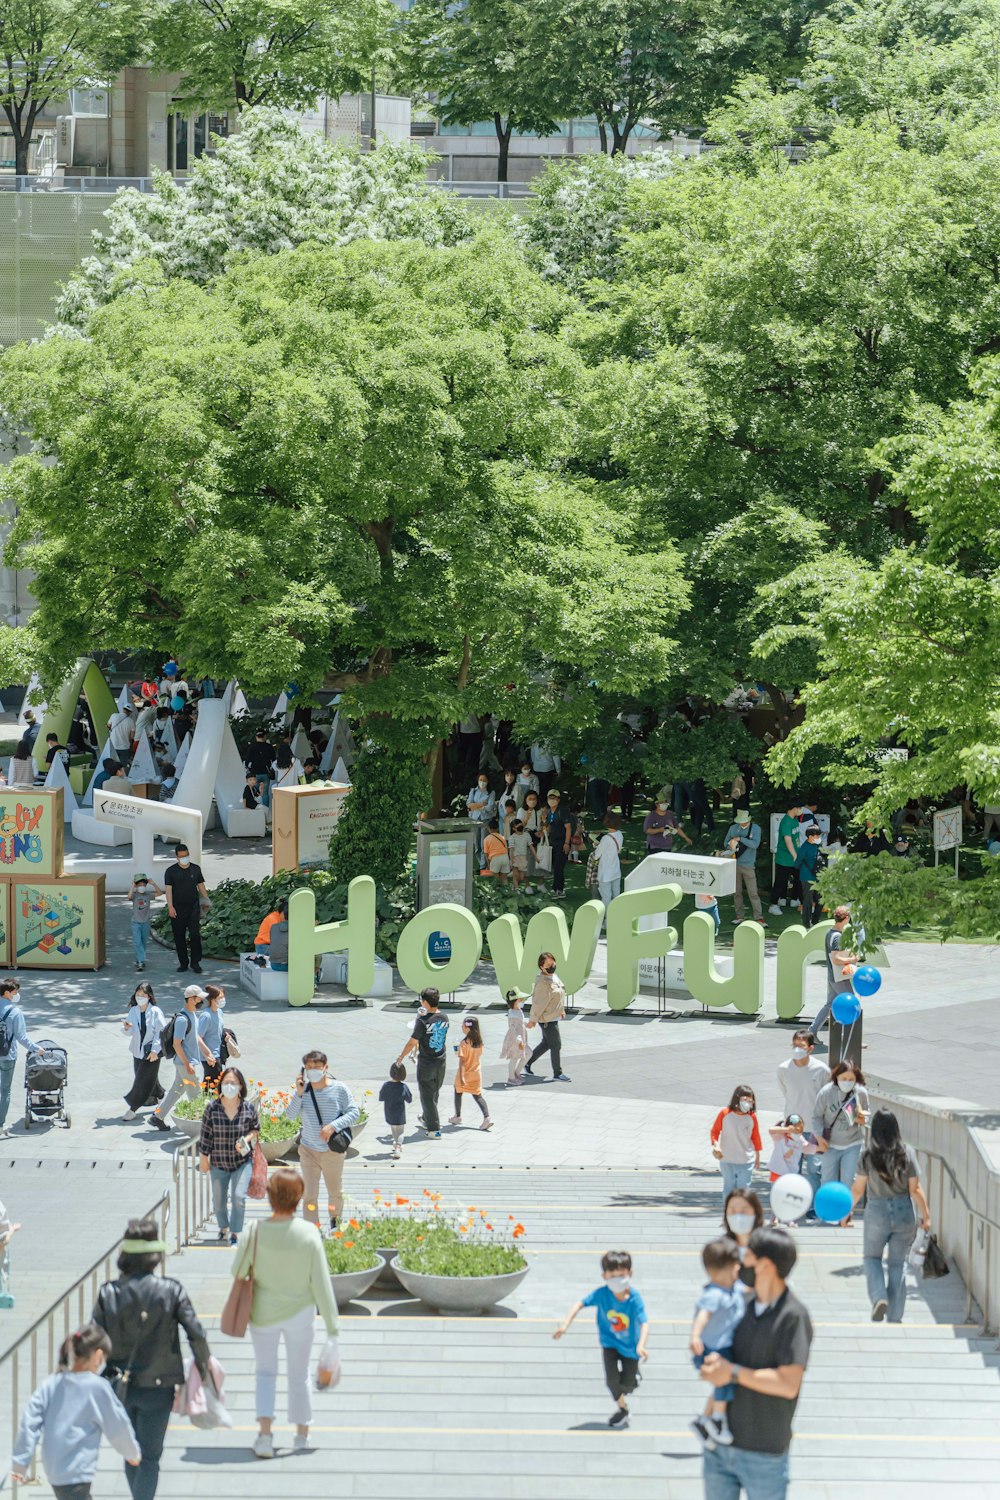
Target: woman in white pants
(290,1281)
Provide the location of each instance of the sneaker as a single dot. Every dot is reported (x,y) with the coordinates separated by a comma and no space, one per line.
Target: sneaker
(619,1418)
(158,1123)
(263,1445)
(879,1308)
(561,1078)
(433,1135)
(129,1114)
(706,1433)
(300,1442)
(420,1122)
(139,968)
(721,1432)
(455,1120)
(528,1071)
(782,902)
(761,920)
(487,1124)
(774,909)
(182,969)
(223,1236)
(196,969)
(397,1151)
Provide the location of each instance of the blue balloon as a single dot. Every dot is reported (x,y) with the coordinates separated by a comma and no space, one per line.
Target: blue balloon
(846,1009)
(867,980)
(833,1202)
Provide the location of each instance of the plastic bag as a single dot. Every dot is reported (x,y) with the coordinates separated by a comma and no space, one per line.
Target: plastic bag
(201,1401)
(918,1250)
(328,1369)
(935,1264)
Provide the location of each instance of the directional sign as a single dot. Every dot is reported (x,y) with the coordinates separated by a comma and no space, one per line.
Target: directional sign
(692,872)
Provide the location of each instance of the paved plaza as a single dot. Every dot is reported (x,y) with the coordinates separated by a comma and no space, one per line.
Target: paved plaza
(619,1156)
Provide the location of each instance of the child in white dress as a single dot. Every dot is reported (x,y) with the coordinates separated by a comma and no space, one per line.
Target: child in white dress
(515,1043)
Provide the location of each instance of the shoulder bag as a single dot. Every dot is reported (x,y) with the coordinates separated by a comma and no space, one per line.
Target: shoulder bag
(341,1139)
(235,1318)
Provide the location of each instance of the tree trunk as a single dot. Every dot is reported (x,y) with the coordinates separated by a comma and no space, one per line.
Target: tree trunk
(240,90)
(603,133)
(503,140)
(620,137)
(22,145)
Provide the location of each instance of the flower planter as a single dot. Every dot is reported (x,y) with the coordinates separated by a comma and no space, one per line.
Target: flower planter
(459,1294)
(275,1151)
(348,1284)
(387,1276)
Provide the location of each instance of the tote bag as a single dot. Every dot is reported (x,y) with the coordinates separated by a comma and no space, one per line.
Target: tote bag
(235,1319)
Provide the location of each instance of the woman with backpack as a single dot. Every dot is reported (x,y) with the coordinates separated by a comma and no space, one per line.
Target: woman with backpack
(143,1025)
(889,1174)
(143,1312)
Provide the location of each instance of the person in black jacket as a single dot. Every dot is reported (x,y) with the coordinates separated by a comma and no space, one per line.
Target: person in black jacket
(143,1313)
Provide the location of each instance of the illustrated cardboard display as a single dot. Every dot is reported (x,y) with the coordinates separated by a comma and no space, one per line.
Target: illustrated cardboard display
(58,923)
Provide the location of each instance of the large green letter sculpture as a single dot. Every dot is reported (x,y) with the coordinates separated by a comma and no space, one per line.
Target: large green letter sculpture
(88,679)
(515,961)
(744,989)
(356,933)
(627,944)
(797,946)
(416,969)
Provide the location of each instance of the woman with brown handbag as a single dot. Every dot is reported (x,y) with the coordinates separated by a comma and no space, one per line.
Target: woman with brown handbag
(290,1279)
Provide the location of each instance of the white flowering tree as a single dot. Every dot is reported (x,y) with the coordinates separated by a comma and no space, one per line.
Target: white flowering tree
(574,232)
(270,187)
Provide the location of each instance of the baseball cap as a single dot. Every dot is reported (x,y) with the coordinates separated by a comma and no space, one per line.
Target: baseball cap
(195,989)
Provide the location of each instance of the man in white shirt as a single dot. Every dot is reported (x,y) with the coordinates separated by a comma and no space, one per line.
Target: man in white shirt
(609,865)
(800,1078)
(121,727)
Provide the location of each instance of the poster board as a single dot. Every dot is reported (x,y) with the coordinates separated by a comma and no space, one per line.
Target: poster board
(947,829)
(57,923)
(31,832)
(302,821)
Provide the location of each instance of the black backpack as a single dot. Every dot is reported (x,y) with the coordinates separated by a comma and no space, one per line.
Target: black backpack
(167,1034)
(6,1032)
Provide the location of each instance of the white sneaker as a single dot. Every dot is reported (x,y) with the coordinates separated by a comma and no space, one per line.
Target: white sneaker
(774,909)
(263,1445)
(129,1114)
(783,901)
(455,1120)
(397,1151)
(300,1442)
(486,1125)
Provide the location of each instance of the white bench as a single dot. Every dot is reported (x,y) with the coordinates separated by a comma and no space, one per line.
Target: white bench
(333,970)
(261,980)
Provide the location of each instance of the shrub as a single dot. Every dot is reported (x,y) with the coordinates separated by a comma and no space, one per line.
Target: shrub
(374,833)
(346,1255)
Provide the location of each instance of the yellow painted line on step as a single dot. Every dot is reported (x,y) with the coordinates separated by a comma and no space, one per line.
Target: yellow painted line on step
(372,1321)
(649,1432)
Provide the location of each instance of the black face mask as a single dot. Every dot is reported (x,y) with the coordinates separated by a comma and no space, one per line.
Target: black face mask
(748,1275)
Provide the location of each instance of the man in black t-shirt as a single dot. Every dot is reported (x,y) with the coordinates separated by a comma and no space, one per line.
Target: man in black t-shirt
(769,1357)
(429,1041)
(185,891)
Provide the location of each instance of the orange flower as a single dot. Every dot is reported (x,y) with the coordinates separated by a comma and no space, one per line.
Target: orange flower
(353,1223)
(472,1208)
(419,1236)
(489,1226)
(518,1230)
(463,1228)
(338,1234)
(400,1201)
(427,1192)
(348,1244)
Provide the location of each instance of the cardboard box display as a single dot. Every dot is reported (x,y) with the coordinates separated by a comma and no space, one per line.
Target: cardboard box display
(56,923)
(302,820)
(31,832)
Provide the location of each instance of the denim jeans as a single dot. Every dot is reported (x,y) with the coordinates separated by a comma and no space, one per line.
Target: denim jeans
(6,1085)
(890,1224)
(735,1174)
(840,1164)
(730,1472)
(140,936)
(235,1183)
(810,1169)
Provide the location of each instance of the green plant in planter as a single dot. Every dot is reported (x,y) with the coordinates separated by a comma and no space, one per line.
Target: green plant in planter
(442,1255)
(345,1255)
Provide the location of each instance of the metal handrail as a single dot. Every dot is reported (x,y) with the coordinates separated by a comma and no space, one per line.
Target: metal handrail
(985,1236)
(186,1206)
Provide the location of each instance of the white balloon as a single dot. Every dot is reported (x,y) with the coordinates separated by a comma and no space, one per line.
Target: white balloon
(791,1197)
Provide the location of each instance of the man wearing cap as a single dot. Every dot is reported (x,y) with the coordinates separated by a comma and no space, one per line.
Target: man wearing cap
(189,1049)
(742,842)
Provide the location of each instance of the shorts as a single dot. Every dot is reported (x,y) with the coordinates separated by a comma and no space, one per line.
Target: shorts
(722,1392)
(500,864)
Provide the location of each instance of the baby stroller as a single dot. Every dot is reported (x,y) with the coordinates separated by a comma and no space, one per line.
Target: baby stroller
(45,1074)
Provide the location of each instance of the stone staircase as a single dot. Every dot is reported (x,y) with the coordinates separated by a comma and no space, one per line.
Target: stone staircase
(492,1408)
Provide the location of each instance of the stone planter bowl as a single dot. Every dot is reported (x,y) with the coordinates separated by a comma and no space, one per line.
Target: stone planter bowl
(348,1284)
(459,1294)
(387,1276)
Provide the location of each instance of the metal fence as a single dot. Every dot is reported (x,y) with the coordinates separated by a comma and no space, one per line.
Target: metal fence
(183,1209)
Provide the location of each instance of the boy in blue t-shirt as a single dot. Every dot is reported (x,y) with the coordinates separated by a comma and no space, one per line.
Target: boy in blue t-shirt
(621,1327)
(717,1312)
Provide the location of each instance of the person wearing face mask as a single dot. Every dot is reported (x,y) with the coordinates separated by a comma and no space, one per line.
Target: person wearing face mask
(800,1078)
(189,1050)
(325,1108)
(661,827)
(229,1130)
(143,1025)
(736,1142)
(12,1031)
(482,808)
(766,1367)
(70,1413)
(742,1214)
(622,1329)
(186,893)
(142,893)
(839,1117)
(548,1007)
(215,1034)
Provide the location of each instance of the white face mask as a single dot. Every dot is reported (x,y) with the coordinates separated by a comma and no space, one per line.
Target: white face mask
(220,1004)
(619,1283)
(746,1105)
(183,860)
(142,1001)
(740,1223)
(483,785)
(315,1075)
(844,1086)
(230,1090)
(799,1052)
(661,807)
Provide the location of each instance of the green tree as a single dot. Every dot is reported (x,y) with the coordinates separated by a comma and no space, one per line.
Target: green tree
(337,466)
(48,47)
(286,53)
(478,60)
